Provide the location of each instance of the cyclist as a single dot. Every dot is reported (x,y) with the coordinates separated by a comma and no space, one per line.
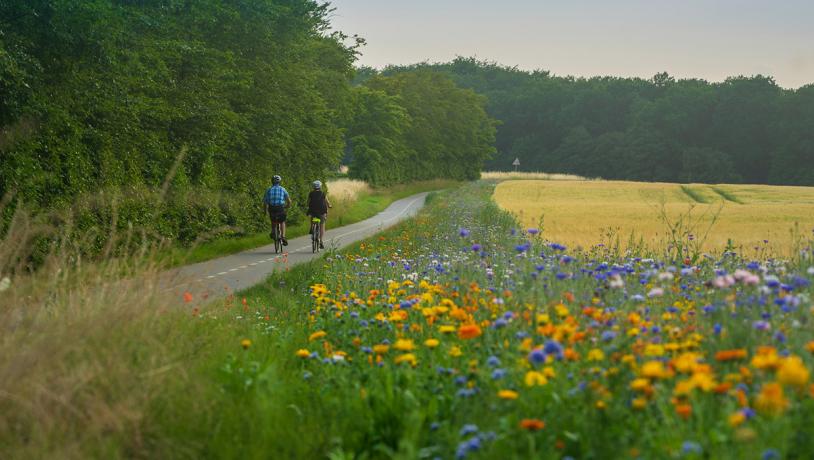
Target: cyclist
(275,202)
(318,205)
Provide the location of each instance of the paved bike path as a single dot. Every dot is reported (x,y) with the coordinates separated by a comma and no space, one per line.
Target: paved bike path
(220,277)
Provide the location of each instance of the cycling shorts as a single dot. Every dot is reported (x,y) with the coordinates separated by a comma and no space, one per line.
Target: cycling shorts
(277,213)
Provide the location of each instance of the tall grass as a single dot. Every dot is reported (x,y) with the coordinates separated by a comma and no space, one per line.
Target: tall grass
(83,353)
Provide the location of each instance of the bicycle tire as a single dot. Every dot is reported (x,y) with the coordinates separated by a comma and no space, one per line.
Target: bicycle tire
(314,238)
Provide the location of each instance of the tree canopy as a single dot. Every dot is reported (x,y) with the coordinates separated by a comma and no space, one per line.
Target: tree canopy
(745,129)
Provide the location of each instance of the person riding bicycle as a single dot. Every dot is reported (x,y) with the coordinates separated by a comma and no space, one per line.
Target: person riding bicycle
(275,202)
(318,205)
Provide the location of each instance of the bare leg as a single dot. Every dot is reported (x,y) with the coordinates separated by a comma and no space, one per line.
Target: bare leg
(282,229)
(321,229)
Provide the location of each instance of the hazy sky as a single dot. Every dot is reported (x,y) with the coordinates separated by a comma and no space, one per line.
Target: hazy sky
(710,39)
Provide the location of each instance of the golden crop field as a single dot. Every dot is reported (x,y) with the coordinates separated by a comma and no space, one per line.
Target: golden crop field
(762,218)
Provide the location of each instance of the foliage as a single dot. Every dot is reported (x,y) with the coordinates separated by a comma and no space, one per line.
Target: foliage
(745,129)
(105,95)
(418,125)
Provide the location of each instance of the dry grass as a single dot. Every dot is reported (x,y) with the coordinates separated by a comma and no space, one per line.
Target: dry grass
(504,175)
(83,355)
(585,213)
(346,190)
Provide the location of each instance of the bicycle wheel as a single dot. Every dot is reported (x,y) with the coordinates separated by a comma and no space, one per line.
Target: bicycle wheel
(278,242)
(314,238)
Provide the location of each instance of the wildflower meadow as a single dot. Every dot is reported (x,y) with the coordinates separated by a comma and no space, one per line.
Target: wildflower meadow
(459,335)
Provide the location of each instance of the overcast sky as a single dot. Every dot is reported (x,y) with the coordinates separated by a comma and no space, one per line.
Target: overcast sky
(710,39)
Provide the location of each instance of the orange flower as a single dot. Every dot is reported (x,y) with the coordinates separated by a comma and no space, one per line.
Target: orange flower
(730,355)
(469,331)
(722,388)
(532,424)
(684,411)
(771,399)
(187,297)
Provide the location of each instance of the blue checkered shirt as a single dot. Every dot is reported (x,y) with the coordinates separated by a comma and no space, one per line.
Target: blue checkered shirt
(275,196)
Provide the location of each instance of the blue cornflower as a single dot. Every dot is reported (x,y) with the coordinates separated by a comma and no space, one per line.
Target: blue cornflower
(691,447)
(536,356)
(770,454)
(552,347)
(498,374)
(493,361)
(469,428)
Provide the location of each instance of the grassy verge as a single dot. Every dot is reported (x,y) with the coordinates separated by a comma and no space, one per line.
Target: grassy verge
(366,205)
(449,335)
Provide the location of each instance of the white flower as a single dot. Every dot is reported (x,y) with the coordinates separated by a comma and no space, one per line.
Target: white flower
(5,283)
(665,276)
(810,271)
(616,282)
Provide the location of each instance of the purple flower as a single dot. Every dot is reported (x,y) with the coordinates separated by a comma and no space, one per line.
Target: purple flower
(468,429)
(761,325)
(536,356)
(552,347)
(533,231)
(476,247)
(463,232)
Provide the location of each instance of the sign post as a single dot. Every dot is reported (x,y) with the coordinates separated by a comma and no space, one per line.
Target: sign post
(516,163)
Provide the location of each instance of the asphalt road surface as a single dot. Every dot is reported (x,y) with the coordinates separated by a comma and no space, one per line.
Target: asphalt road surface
(220,277)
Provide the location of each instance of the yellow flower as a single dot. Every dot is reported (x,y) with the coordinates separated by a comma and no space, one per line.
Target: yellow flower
(640,385)
(653,349)
(381,349)
(317,335)
(446,329)
(766,358)
(431,343)
(654,370)
(639,403)
(404,345)
(303,353)
(596,355)
(507,394)
(793,372)
(534,378)
(455,351)
(549,372)
(737,418)
(686,362)
(245,343)
(407,358)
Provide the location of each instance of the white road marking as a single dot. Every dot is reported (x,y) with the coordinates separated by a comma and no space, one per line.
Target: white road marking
(376,223)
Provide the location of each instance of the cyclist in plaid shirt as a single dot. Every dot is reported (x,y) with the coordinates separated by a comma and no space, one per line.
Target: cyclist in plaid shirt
(275,202)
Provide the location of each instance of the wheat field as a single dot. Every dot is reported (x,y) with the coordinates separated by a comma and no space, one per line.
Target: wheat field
(753,219)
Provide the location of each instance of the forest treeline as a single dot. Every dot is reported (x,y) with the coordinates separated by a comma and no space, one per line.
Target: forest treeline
(103,101)
(745,129)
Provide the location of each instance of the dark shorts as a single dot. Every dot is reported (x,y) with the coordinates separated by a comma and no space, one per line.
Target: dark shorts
(323,217)
(277,213)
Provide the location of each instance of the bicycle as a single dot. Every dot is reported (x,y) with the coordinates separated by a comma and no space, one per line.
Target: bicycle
(315,234)
(276,235)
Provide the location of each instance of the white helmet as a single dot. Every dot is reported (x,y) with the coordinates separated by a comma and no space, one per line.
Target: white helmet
(317,185)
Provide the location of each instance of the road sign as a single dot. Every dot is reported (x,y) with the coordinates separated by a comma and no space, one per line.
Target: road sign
(516,163)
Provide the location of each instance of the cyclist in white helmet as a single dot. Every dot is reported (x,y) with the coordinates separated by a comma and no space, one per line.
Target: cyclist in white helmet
(318,205)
